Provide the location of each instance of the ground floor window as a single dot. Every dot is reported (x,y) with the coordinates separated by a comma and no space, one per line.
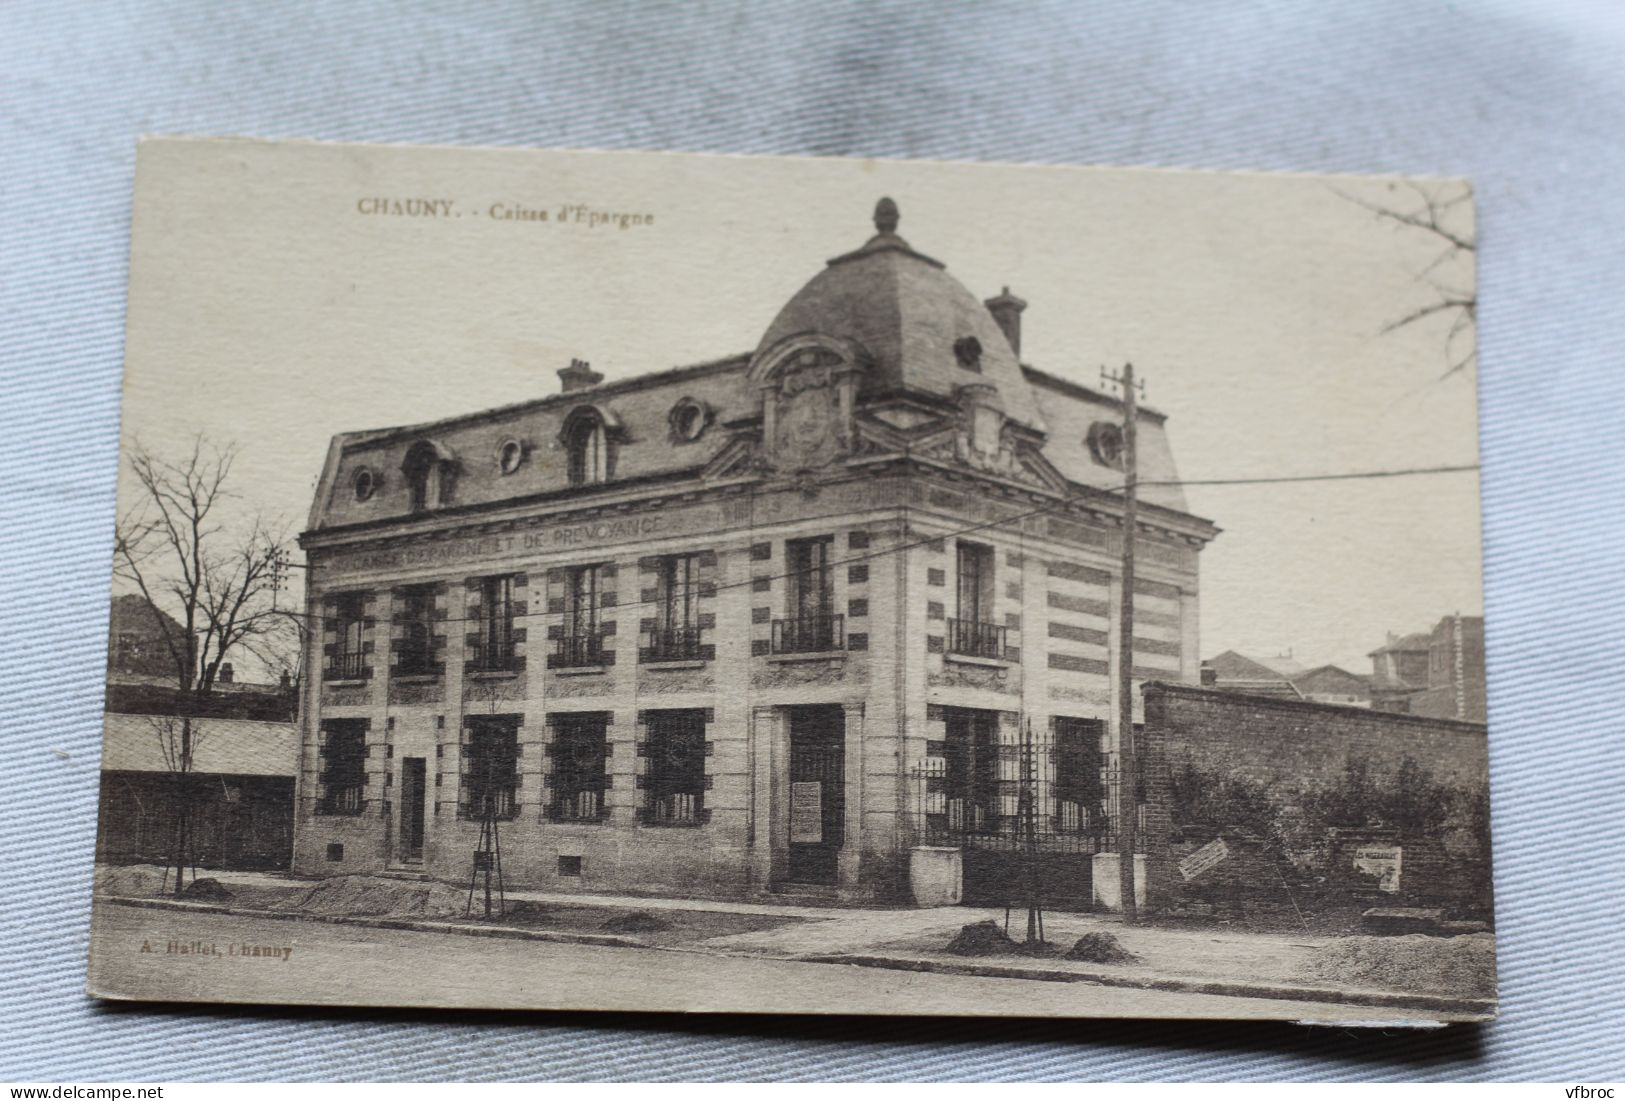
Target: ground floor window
(971,770)
(674,783)
(579,771)
(343,775)
(491,767)
(1078,794)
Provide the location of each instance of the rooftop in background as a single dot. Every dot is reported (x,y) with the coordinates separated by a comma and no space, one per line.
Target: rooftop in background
(1235,672)
(141,672)
(1415,642)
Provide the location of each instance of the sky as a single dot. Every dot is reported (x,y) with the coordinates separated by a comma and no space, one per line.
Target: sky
(271,307)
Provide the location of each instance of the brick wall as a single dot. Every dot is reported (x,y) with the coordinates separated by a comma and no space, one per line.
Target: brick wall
(1290,748)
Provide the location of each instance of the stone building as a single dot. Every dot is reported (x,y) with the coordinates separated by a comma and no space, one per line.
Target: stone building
(762,623)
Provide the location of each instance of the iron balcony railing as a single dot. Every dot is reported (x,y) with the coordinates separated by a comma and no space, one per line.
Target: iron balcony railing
(577,651)
(673,644)
(809,634)
(494,656)
(976,639)
(352,666)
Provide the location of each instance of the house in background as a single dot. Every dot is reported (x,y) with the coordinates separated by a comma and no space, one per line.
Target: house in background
(245,755)
(1233,672)
(1334,684)
(1399,670)
(1437,673)
(1284,677)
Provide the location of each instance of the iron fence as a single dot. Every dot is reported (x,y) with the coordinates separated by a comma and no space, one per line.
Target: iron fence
(1054,797)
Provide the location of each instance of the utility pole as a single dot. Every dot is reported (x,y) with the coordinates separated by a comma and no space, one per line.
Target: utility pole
(1128,806)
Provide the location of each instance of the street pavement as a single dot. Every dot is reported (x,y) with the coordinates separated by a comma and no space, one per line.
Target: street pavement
(209,957)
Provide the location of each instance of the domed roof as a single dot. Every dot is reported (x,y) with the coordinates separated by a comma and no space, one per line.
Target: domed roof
(912,317)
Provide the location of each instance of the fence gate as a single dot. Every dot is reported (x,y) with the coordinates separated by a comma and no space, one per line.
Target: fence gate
(968,794)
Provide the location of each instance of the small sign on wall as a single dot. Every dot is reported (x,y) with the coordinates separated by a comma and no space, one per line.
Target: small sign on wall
(1382,861)
(1205,859)
(806,812)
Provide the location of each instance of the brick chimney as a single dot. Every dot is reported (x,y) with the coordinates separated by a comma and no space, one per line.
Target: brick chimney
(1006,310)
(226,673)
(579,376)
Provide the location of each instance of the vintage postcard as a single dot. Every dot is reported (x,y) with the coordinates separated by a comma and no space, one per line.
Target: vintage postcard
(638,581)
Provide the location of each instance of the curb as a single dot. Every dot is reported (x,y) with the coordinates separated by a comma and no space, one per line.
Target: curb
(1476,1007)
(1472,1007)
(510,932)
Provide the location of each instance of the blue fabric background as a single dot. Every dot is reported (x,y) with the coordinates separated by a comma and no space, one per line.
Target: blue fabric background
(1527,98)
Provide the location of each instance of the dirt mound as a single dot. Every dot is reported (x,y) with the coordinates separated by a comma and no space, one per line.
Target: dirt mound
(638,921)
(131,880)
(1101,948)
(983,938)
(206,890)
(1463,966)
(378,896)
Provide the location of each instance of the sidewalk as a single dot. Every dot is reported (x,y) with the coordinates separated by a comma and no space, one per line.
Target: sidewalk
(1193,960)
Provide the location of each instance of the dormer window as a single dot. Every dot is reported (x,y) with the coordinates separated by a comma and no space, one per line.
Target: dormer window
(427,476)
(588,446)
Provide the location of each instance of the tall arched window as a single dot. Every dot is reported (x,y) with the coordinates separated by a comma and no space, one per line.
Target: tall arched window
(589,452)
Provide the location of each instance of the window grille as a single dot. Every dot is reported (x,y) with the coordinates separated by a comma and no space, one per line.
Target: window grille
(491,768)
(579,752)
(343,774)
(674,785)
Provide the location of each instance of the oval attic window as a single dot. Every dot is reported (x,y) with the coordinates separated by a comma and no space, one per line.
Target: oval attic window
(1105,442)
(688,420)
(510,455)
(366,484)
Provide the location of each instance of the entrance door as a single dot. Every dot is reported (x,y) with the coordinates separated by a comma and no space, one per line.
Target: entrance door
(817,792)
(412,796)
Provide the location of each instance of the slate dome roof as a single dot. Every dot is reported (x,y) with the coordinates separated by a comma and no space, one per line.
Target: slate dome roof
(907,311)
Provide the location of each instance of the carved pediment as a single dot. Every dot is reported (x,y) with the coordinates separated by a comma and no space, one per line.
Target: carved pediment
(1014,456)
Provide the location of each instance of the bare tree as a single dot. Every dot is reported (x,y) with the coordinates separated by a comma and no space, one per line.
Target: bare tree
(217,583)
(1440,212)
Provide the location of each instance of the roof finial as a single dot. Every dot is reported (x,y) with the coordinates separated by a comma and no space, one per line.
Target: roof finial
(886,216)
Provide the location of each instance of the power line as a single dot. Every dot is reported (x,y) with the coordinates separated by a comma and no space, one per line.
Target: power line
(1312,477)
(1064,502)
